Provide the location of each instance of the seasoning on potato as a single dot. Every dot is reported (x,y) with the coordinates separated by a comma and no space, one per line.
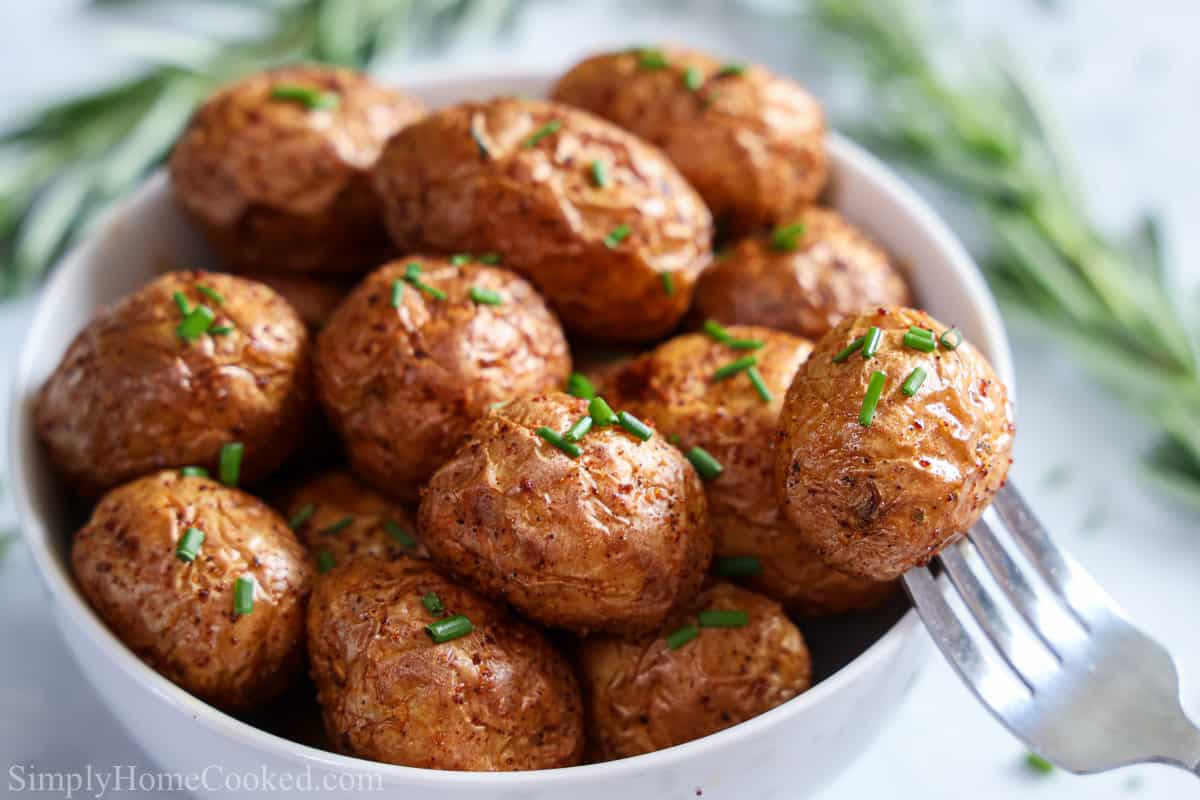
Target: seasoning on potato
(874,480)
(204,583)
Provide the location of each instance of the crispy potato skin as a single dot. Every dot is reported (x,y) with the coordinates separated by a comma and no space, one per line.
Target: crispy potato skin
(403,385)
(131,396)
(281,187)
(613,540)
(538,205)
(178,617)
(878,500)
(499,698)
(752,144)
(349,519)
(641,696)
(834,272)
(314,297)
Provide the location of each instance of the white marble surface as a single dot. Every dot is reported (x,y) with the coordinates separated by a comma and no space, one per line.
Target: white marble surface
(1125,77)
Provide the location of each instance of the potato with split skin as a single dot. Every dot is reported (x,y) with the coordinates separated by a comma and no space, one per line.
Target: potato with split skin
(614,539)
(642,695)
(274,169)
(600,221)
(751,142)
(405,365)
(675,386)
(880,498)
(499,698)
(180,616)
(806,276)
(134,394)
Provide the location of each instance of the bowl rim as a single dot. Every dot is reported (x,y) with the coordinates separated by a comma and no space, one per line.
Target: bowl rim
(68,601)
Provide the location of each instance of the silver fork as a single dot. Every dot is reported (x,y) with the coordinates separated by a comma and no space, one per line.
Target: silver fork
(1049,652)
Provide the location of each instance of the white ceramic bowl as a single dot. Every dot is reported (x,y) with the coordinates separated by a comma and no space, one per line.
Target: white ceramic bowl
(790,751)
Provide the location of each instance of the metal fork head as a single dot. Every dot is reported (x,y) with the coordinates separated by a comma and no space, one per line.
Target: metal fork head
(1049,652)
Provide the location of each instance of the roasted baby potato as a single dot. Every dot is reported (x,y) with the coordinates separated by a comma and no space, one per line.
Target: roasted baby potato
(611,540)
(274,168)
(134,394)
(338,518)
(752,143)
(314,297)
(498,698)
(405,366)
(644,694)
(878,498)
(182,616)
(675,386)
(814,270)
(601,222)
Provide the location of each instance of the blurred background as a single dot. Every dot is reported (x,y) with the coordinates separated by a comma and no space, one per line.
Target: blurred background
(1056,136)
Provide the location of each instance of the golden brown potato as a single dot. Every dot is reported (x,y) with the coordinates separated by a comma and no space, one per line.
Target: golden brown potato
(878,499)
(498,698)
(617,258)
(132,395)
(280,186)
(833,271)
(402,385)
(674,386)
(752,143)
(612,540)
(339,518)
(178,616)
(314,297)
(642,696)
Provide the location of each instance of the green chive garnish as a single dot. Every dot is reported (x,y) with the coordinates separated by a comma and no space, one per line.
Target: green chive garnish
(1035,762)
(871,342)
(303,515)
(397,292)
(578,385)
(716,330)
(196,323)
(542,132)
(874,390)
(635,426)
(490,258)
(920,339)
(668,283)
(433,604)
(313,99)
(325,561)
(760,385)
(951,339)
(558,440)
(211,294)
(599,174)
(734,367)
(193,472)
(400,535)
(220,330)
(705,464)
(182,302)
(189,544)
(445,630)
(722,618)
(731,69)
(850,350)
(913,382)
(745,344)
(737,566)
(681,636)
(486,297)
(652,59)
(412,271)
(786,238)
(617,236)
(458,259)
(338,526)
(579,429)
(230,463)
(601,413)
(693,78)
(412,275)
(243,596)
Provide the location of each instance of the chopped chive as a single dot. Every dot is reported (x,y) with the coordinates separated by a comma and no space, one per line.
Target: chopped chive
(874,390)
(716,330)
(303,515)
(445,630)
(230,463)
(668,283)
(722,618)
(458,259)
(705,464)
(599,174)
(490,258)
(558,440)
(193,472)
(486,297)
(951,339)
(339,526)
(579,429)
(480,142)
(220,330)
(731,69)
(400,535)
(243,596)
(211,294)
(313,99)
(652,59)
(1035,762)
(189,544)
(760,385)
(913,382)
(432,291)
(745,344)
(786,238)
(920,339)
(734,367)
(616,236)
(681,636)
(181,301)
(412,271)
(737,566)
(433,603)
(635,426)
(871,342)
(397,292)
(542,132)
(600,412)
(325,561)
(693,78)
(850,350)
(196,323)
(578,385)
